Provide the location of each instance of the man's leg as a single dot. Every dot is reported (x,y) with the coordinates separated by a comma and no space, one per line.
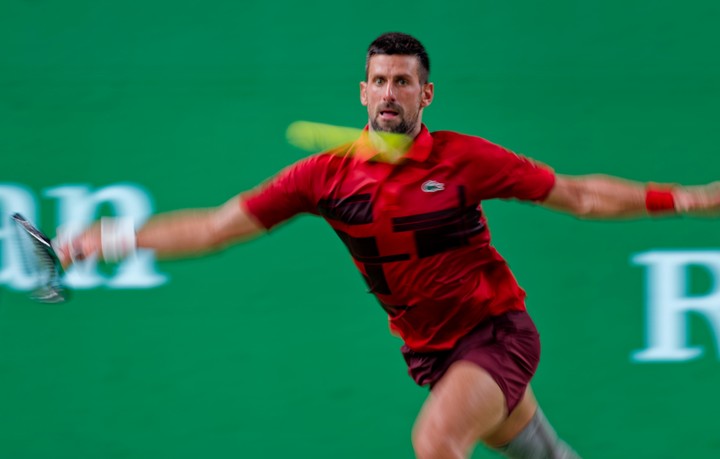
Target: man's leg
(527,434)
(513,424)
(467,406)
(464,406)
(537,440)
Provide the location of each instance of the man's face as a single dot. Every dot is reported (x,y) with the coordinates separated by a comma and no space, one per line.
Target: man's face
(394,95)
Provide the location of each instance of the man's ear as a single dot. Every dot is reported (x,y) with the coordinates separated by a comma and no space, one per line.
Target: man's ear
(428,92)
(363,93)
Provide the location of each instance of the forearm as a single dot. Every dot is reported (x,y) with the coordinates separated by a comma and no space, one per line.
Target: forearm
(183,233)
(597,197)
(194,232)
(180,234)
(606,197)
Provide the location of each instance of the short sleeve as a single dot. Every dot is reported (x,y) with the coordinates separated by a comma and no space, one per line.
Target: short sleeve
(527,179)
(500,173)
(285,195)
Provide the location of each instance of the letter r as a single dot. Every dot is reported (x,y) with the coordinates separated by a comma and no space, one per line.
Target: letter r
(668,303)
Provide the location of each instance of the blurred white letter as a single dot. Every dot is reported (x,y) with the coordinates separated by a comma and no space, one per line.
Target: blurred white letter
(77,208)
(14,198)
(668,303)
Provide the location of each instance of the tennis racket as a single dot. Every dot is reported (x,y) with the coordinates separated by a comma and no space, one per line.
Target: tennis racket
(40,262)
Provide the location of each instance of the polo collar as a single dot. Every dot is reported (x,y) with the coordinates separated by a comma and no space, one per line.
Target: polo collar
(419,150)
(421,147)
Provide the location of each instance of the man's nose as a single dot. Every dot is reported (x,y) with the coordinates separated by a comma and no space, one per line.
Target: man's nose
(389,92)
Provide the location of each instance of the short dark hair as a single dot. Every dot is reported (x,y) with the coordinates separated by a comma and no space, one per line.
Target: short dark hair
(400,43)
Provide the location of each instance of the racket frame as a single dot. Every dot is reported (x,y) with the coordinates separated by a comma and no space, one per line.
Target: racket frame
(51,290)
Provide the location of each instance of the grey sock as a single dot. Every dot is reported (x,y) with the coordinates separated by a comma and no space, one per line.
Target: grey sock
(538,440)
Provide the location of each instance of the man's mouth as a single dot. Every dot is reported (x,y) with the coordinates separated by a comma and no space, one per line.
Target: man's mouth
(388,114)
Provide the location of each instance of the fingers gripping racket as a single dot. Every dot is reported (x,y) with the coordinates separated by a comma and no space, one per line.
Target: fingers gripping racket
(40,262)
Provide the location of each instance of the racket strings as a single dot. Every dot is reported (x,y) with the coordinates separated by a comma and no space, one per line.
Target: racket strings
(40,263)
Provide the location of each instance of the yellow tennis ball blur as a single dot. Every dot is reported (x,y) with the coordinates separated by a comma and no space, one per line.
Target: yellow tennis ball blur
(315,137)
(318,136)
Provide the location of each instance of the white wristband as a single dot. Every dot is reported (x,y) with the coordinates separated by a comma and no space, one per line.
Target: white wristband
(117,238)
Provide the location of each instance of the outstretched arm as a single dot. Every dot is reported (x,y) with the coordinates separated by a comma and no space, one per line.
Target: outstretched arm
(606,197)
(181,233)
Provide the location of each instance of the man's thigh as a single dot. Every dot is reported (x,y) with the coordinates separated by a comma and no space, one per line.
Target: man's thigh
(507,347)
(464,406)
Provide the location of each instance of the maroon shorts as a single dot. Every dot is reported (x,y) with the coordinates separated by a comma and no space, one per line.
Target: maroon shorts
(506,346)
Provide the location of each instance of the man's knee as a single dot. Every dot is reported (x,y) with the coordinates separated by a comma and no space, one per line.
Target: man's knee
(537,440)
(435,443)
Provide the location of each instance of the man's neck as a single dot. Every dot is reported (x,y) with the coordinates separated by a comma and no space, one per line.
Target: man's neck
(392,146)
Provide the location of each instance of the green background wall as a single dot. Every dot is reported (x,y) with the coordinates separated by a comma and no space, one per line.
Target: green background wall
(272,349)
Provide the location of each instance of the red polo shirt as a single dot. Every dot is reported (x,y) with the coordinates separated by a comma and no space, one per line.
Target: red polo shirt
(415,229)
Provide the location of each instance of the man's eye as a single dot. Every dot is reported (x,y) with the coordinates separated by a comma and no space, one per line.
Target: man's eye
(402,82)
(379,81)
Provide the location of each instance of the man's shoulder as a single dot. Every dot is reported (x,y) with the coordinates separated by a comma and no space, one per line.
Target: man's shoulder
(321,159)
(452,142)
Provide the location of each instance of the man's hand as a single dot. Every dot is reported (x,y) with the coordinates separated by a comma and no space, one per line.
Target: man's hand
(71,249)
(700,200)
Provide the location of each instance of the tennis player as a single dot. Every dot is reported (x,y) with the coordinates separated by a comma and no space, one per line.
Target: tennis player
(417,233)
